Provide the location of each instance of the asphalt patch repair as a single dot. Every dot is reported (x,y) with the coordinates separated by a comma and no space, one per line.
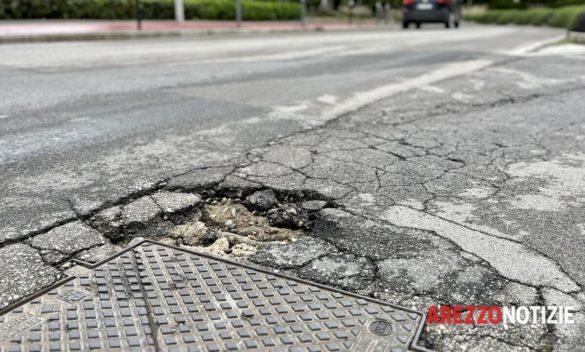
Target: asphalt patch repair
(155,297)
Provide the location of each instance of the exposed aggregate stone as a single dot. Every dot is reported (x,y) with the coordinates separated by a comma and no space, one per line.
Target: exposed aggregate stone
(261,200)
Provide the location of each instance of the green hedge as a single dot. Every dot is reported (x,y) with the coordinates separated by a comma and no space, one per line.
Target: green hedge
(151,9)
(523,4)
(562,17)
(560,3)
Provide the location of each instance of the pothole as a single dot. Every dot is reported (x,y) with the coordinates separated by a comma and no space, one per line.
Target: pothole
(227,228)
(234,228)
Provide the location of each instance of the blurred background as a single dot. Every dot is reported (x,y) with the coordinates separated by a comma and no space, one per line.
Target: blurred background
(555,13)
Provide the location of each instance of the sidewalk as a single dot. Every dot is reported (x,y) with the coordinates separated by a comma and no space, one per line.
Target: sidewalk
(58,30)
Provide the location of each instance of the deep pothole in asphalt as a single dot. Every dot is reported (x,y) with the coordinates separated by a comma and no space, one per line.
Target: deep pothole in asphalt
(233,228)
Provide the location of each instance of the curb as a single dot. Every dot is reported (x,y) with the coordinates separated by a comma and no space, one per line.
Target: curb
(578,37)
(149,34)
(61,37)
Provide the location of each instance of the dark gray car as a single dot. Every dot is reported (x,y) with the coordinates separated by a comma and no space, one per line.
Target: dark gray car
(431,11)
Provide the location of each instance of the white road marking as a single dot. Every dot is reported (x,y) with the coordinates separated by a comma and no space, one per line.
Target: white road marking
(460,96)
(361,99)
(530,81)
(534,46)
(292,108)
(239,48)
(312,118)
(568,50)
(327,99)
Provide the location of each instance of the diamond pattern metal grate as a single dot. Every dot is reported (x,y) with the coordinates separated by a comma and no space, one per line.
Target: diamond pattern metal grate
(157,298)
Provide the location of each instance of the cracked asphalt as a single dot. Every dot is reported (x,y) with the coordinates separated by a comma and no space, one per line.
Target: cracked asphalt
(432,167)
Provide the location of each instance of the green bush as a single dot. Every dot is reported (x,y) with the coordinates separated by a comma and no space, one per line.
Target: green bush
(539,17)
(492,16)
(560,3)
(506,17)
(151,9)
(562,17)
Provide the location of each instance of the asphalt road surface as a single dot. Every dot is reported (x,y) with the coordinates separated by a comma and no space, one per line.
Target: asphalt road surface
(454,158)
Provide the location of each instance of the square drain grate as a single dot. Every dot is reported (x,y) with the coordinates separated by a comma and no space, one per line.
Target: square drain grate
(152,297)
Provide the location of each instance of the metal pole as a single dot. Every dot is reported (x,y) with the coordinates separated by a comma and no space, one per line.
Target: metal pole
(303,12)
(350,4)
(179,11)
(138,16)
(239,13)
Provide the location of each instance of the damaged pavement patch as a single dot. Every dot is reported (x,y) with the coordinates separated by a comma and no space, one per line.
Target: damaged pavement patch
(62,242)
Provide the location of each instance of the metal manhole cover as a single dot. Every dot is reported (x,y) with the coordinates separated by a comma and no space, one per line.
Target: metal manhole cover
(153,297)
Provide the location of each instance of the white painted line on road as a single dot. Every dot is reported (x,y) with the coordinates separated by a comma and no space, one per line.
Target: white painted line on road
(3,117)
(302,106)
(327,99)
(361,99)
(313,115)
(312,118)
(529,80)
(532,47)
(574,51)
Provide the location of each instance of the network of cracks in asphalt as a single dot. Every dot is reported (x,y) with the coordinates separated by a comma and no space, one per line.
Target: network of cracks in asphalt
(251,225)
(309,237)
(152,297)
(421,200)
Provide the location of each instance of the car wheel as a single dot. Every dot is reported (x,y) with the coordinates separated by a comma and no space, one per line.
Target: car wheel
(418,25)
(405,25)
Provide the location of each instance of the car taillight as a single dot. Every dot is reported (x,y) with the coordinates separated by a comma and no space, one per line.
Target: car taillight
(408,2)
(443,2)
